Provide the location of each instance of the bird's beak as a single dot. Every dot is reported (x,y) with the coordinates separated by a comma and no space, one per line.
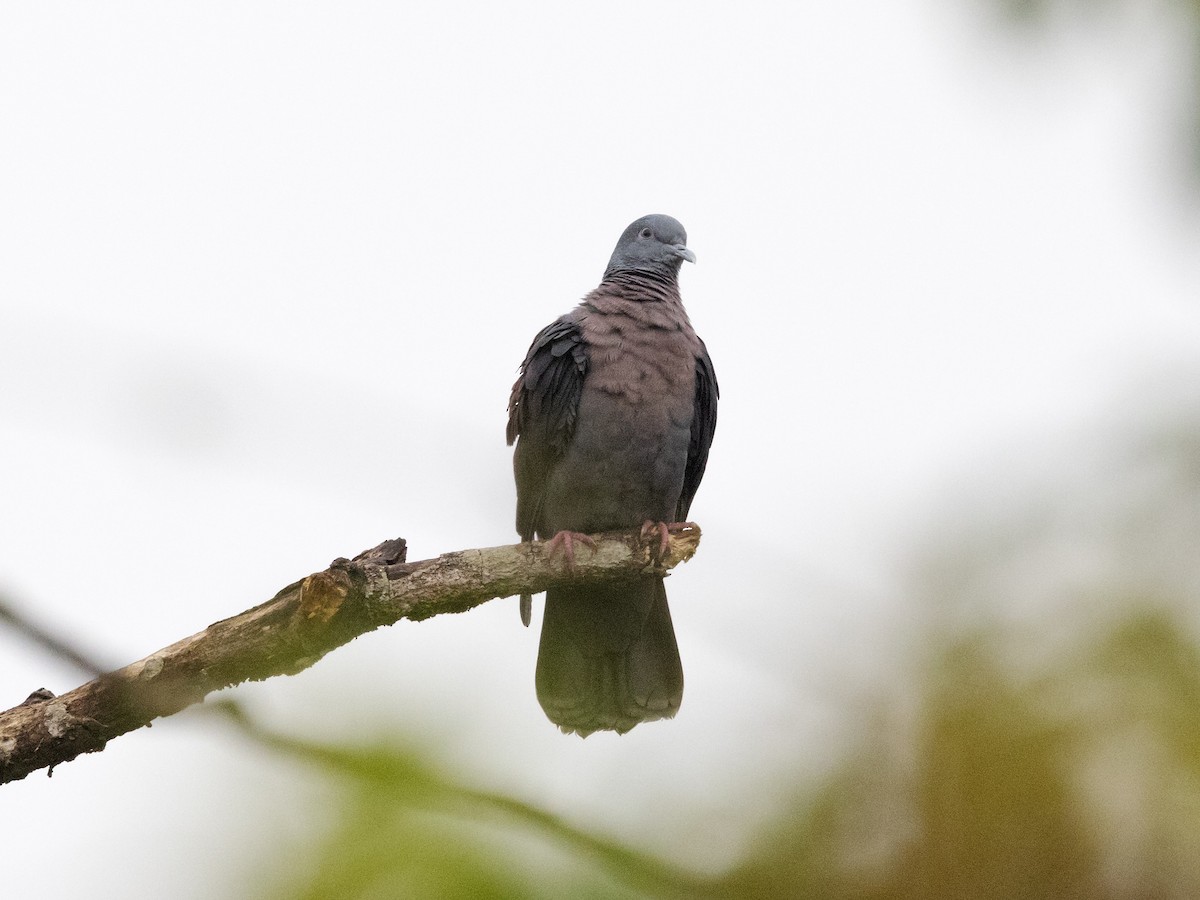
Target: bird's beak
(684,252)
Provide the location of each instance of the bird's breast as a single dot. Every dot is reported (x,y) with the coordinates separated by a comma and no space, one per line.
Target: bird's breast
(628,455)
(641,362)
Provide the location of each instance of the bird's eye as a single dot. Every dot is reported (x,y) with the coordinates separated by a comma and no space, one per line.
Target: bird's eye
(646,232)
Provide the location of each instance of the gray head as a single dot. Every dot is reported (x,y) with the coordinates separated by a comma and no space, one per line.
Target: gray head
(652,244)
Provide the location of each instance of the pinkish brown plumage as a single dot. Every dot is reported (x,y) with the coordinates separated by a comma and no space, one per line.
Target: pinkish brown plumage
(613,415)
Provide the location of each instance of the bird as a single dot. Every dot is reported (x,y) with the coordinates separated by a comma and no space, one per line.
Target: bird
(613,413)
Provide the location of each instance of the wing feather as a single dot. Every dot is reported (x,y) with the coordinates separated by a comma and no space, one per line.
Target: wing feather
(542,410)
(704,425)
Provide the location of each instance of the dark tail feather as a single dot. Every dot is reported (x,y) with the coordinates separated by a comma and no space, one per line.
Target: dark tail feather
(608,658)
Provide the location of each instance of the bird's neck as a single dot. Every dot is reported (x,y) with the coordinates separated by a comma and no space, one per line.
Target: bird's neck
(641,284)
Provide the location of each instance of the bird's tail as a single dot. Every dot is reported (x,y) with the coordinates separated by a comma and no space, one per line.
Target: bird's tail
(608,658)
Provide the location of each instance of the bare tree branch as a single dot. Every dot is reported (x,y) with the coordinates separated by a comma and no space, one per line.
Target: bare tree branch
(302,623)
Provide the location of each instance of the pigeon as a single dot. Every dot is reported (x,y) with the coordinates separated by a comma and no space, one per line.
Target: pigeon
(613,413)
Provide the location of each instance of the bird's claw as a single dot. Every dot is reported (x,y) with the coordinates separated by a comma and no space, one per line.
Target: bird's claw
(650,528)
(564,542)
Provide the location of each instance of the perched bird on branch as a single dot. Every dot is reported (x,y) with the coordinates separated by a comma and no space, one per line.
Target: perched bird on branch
(613,414)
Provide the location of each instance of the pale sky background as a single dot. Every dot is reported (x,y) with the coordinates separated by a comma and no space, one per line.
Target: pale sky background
(267,271)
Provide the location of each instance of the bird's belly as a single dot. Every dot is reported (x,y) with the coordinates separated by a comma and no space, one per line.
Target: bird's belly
(624,466)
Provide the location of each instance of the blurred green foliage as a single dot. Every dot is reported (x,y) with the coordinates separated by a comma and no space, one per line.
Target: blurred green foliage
(988,794)
(998,785)
(406,829)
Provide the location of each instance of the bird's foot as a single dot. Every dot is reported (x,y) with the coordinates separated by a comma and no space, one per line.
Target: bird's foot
(565,542)
(659,552)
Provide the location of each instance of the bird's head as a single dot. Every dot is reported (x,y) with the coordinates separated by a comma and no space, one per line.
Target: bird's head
(656,244)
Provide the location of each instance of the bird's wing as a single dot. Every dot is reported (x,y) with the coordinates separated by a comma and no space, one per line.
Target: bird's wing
(704,424)
(541,412)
